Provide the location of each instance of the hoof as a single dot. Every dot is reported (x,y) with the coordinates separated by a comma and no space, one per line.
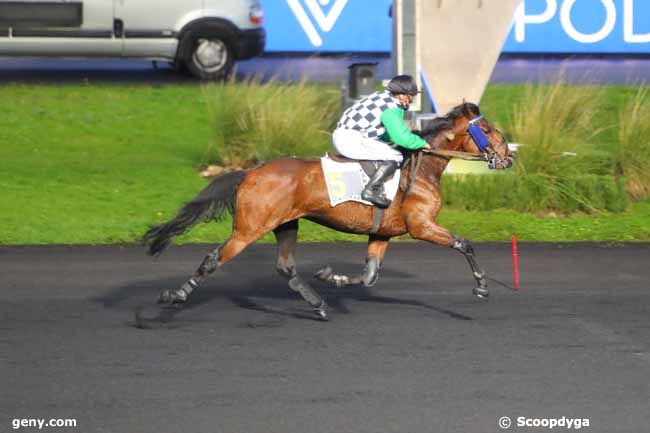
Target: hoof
(481,293)
(172,297)
(321,312)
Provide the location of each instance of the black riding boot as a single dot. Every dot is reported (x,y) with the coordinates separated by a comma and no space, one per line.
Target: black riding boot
(374,191)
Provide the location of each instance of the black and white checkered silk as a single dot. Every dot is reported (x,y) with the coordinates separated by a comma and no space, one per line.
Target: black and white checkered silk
(365,115)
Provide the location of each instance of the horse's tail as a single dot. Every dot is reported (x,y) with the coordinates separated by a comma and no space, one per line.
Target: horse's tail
(210,203)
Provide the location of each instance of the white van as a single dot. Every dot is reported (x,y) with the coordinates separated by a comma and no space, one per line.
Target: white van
(204,37)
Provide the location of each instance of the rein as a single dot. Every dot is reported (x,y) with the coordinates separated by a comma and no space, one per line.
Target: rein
(477,134)
(415,160)
(449,154)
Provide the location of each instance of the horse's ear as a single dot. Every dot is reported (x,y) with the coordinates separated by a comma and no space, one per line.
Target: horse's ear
(464,109)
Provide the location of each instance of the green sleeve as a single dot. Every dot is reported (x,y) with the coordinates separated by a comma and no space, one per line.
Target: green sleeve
(397,132)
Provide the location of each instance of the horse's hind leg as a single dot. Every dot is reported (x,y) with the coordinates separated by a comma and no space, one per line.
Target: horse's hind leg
(217,258)
(377,246)
(287,236)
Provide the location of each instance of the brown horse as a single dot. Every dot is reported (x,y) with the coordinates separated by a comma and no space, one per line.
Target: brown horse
(275,195)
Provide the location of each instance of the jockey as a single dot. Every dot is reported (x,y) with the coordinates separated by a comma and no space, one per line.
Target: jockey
(373,129)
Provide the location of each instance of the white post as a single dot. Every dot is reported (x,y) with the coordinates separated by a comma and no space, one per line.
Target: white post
(406,45)
(457,44)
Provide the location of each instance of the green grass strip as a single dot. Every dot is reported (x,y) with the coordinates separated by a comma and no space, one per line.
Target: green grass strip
(95,164)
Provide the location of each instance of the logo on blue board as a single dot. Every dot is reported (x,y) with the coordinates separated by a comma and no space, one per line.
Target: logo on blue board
(312,17)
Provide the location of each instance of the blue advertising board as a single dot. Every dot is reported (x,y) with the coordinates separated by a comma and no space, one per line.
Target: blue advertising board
(328,25)
(580,26)
(539,26)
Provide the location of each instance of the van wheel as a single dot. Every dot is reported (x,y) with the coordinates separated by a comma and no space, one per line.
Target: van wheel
(208,58)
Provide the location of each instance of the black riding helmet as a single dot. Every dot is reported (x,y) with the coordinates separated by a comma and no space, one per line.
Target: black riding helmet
(403,85)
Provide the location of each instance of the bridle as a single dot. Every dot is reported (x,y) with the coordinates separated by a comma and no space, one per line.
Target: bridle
(488,154)
(481,140)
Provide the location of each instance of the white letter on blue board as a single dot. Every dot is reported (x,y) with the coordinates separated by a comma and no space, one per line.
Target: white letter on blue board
(628,25)
(605,30)
(521,19)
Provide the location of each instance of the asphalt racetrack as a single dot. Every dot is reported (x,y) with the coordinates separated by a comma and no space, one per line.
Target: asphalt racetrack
(416,353)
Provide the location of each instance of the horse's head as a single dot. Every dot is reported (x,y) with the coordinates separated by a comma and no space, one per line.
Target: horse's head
(467,130)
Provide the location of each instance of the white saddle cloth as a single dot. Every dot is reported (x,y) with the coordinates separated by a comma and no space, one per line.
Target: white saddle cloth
(346,180)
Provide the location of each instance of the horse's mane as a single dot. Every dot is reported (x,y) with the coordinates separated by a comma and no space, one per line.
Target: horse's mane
(438,124)
(466,109)
(434,127)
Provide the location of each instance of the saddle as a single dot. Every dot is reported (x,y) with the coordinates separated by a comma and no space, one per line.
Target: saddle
(369,167)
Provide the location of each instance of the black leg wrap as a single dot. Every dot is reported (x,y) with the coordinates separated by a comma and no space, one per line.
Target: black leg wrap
(209,264)
(368,278)
(462,245)
(466,248)
(309,295)
(327,275)
(190,286)
(298,285)
(371,272)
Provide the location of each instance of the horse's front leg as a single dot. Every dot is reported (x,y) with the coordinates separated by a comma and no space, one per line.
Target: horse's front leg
(467,249)
(377,246)
(428,231)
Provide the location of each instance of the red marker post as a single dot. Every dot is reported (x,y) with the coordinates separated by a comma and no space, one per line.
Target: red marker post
(515,263)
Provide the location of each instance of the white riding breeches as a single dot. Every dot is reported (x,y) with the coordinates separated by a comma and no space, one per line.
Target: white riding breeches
(354,145)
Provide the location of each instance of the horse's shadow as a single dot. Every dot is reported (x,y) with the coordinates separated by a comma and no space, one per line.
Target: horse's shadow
(245,293)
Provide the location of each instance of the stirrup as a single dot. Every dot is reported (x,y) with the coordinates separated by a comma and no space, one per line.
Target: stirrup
(378,200)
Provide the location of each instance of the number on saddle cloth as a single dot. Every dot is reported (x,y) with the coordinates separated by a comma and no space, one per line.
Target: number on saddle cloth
(347,184)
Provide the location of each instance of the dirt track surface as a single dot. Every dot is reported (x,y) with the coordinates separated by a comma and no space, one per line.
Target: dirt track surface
(416,353)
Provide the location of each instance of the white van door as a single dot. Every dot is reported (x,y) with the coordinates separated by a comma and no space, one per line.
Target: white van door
(58,28)
(151,26)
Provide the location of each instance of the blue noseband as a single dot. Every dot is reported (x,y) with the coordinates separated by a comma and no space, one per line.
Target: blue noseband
(478,135)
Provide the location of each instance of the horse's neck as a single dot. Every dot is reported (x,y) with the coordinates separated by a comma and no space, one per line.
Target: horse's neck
(432,166)
(428,169)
